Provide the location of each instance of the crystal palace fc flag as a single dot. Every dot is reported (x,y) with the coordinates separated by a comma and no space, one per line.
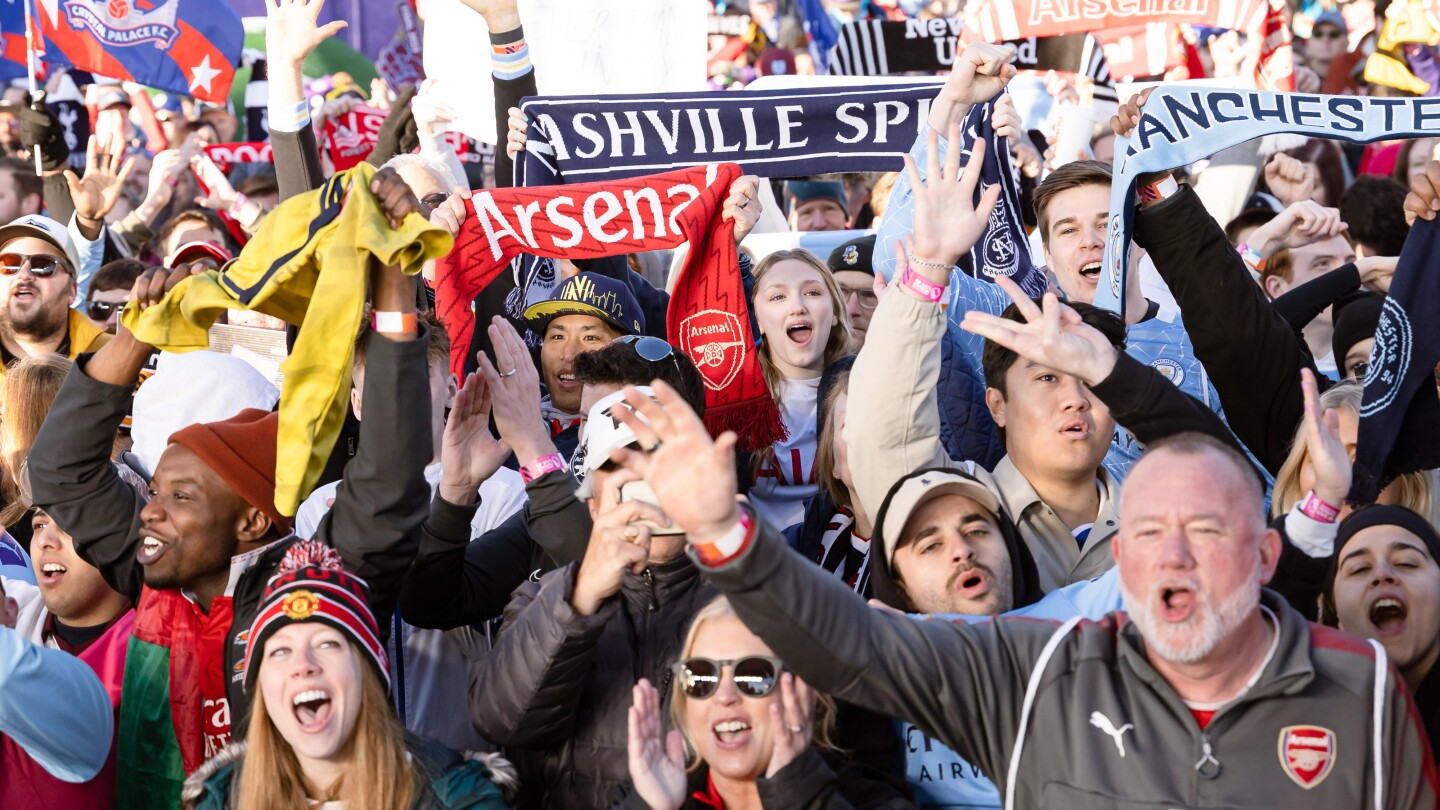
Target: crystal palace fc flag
(185,46)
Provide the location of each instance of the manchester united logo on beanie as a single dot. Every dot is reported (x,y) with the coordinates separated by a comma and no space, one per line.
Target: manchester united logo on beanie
(312,585)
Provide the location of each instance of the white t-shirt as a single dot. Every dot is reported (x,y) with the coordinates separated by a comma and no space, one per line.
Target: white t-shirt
(786,475)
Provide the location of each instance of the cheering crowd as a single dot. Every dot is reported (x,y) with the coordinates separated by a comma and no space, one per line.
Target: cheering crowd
(940,487)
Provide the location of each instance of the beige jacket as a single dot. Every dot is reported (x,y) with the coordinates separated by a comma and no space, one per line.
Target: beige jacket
(892,428)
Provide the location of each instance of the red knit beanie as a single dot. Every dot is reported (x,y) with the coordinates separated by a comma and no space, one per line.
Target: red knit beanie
(241,450)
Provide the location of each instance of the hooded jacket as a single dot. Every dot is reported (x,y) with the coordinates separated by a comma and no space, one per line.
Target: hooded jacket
(558,683)
(1024,579)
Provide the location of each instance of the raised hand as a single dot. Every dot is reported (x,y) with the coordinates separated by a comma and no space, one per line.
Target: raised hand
(1128,116)
(657,759)
(1324,450)
(292,33)
(981,71)
(1302,223)
(221,195)
(154,284)
(1006,120)
(1377,271)
(500,15)
(1289,179)
(792,718)
(518,132)
(1054,337)
(430,112)
(395,197)
(95,193)
(469,454)
(1424,197)
(515,393)
(947,222)
(618,543)
(743,205)
(693,476)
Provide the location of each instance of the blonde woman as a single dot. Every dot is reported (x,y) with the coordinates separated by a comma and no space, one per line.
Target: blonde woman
(803,328)
(1308,500)
(321,732)
(747,733)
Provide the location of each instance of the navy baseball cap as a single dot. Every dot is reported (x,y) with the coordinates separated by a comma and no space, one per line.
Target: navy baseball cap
(587,293)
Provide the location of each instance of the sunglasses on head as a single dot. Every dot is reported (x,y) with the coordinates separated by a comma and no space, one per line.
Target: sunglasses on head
(754,675)
(41,266)
(102,310)
(649,348)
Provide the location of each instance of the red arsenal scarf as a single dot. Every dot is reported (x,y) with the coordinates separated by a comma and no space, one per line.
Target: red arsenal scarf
(708,317)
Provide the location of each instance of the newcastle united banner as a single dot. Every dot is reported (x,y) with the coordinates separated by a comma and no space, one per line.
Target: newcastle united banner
(770,133)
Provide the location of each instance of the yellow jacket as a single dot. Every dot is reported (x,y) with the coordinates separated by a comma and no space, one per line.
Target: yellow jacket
(309,266)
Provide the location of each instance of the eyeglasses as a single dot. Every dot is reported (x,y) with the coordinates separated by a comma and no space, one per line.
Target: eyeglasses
(433,201)
(1359,371)
(102,310)
(1327,33)
(649,348)
(41,266)
(867,298)
(755,675)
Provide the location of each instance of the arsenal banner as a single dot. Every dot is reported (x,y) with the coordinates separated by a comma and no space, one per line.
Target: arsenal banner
(770,133)
(1011,19)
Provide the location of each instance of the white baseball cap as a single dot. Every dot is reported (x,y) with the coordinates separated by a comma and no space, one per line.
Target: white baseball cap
(603,433)
(44,228)
(915,490)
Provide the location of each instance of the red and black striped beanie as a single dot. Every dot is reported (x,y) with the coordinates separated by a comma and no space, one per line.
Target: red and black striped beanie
(312,585)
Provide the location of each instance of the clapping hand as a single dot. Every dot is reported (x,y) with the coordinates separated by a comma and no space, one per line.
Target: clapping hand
(792,717)
(657,759)
(1324,450)
(469,453)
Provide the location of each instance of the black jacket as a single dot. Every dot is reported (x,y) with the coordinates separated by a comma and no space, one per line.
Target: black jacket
(375,524)
(454,581)
(812,781)
(1252,354)
(559,684)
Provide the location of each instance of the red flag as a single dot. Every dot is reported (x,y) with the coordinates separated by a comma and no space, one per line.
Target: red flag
(1276,68)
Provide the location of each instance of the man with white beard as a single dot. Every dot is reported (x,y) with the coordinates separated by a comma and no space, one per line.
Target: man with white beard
(1211,692)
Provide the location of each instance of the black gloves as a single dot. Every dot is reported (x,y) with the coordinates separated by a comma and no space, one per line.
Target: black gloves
(398,135)
(40,129)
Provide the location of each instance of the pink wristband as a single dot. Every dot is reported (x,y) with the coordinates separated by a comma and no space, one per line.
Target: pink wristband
(921,286)
(542,466)
(1318,510)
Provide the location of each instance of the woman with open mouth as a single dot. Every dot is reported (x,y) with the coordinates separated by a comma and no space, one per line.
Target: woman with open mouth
(321,730)
(803,328)
(1384,584)
(747,733)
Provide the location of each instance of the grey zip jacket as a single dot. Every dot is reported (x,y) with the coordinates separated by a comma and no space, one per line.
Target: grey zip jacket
(1073,716)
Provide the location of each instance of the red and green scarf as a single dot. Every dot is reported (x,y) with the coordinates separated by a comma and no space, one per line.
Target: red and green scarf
(708,317)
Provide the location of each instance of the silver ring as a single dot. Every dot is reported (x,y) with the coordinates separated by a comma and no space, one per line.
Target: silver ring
(796,729)
(511,373)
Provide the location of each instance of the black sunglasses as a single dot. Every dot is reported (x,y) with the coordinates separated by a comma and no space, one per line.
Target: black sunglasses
(755,675)
(101,310)
(1360,371)
(41,266)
